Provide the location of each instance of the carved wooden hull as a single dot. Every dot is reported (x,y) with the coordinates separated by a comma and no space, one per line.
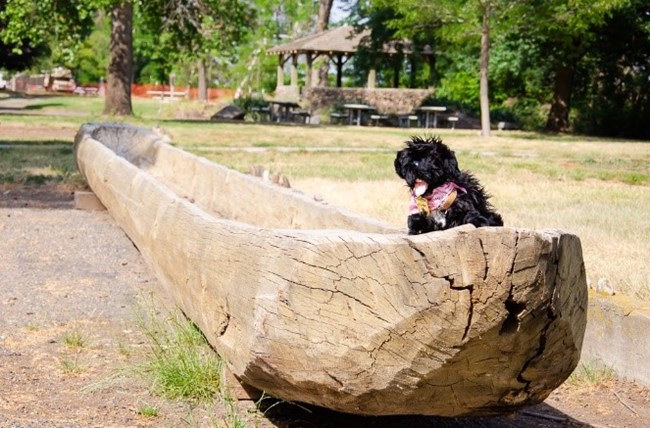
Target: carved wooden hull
(313,304)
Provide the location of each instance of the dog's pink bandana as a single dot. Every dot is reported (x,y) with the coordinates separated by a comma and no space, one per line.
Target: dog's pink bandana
(439,200)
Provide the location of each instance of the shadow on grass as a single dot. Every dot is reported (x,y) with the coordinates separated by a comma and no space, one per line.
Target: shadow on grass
(27,102)
(14,144)
(38,162)
(41,106)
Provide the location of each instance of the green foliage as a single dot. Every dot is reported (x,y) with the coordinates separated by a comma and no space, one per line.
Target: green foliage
(615,101)
(176,35)
(275,23)
(461,86)
(248,102)
(64,23)
(92,58)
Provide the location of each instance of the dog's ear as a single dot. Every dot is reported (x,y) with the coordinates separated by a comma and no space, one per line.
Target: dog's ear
(451,166)
(449,163)
(400,159)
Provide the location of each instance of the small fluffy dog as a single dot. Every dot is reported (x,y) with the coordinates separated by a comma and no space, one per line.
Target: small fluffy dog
(442,196)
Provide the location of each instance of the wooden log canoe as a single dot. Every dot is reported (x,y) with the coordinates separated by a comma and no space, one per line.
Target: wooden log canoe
(314,304)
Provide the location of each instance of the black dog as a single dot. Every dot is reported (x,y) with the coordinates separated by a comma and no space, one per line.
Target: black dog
(442,196)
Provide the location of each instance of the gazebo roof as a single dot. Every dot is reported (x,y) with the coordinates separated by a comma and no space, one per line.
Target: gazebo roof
(343,40)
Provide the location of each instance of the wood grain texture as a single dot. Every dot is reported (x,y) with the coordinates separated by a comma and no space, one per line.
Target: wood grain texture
(313,304)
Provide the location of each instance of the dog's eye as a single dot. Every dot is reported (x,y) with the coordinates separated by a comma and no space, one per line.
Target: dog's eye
(416,163)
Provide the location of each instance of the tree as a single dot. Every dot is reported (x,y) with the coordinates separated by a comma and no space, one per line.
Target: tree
(455,20)
(195,31)
(394,24)
(18,54)
(254,71)
(64,25)
(324,12)
(612,89)
(564,31)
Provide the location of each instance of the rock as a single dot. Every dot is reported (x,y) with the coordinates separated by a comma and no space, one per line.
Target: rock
(229,112)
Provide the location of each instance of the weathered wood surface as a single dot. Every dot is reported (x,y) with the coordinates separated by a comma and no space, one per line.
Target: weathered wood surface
(345,312)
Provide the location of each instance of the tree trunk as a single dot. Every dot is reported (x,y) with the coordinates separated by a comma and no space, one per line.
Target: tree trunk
(313,304)
(433,77)
(324,11)
(120,67)
(203,81)
(558,117)
(413,70)
(484,69)
(397,66)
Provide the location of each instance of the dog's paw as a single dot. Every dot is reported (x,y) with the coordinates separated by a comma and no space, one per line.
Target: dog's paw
(419,223)
(475,218)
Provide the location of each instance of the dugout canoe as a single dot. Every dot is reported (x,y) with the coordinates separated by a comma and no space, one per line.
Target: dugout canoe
(314,304)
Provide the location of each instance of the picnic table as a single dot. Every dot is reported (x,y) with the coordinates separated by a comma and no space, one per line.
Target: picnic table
(283,109)
(431,115)
(355,111)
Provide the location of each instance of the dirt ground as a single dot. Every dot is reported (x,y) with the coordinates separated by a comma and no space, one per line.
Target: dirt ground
(65,271)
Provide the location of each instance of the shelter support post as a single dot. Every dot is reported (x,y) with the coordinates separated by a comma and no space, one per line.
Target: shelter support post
(280,72)
(309,77)
(339,71)
(294,70)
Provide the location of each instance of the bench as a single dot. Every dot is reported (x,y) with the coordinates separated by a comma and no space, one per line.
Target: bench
(405,120)
(452,120)
(86,90)
(338,117)
(166,95)
(302,115)
(377,119)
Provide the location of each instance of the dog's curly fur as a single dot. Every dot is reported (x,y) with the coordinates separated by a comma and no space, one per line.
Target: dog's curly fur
(429,160)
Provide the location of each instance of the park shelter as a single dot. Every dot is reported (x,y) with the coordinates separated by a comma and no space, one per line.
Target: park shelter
(339,45)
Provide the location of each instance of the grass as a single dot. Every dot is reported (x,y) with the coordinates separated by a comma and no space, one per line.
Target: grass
(72,367)
(597,188)
(148,411)
(50,162)
(75,340)
(590,375)
(181,364)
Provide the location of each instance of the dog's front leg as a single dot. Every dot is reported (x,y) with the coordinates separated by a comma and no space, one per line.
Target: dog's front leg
(474,217)
(420,223)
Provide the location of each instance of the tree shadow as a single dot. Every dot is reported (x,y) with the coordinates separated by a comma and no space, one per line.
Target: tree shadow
(41,106)
(19,98)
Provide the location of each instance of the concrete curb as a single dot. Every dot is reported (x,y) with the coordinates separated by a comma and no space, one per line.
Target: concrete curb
(618,336)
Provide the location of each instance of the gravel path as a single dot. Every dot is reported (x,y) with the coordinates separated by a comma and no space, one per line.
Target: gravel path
(64,273)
